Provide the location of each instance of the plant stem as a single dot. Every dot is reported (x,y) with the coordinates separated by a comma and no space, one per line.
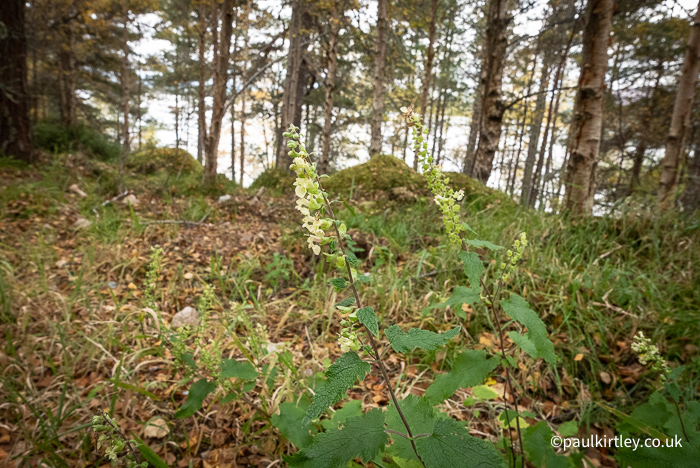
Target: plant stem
(509,383)
(372,341)
(678,410)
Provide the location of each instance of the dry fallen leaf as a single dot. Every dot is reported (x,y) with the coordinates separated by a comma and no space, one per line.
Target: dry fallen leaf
(605,377)
(578,357)
(156,428)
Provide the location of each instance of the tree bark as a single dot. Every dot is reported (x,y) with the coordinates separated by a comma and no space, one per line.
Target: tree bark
(67,71)
(535,130)
(126,143)
(15,127)
(587,119)
(428,66)
(221,58)
(691,196)
(469,157)
(680,119)
(375,146)
(244,77)
(295,80)
(330,89)
(492,107)
(201,105)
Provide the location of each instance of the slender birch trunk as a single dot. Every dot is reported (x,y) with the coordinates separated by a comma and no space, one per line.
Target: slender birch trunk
(375,146)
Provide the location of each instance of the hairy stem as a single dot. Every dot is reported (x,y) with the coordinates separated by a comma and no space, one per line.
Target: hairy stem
(678,410)
(372,341)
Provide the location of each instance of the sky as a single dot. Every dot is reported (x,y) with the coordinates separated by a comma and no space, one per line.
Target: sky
(259,133)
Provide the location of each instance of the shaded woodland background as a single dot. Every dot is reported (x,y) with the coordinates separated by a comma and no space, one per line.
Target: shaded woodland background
(502,78)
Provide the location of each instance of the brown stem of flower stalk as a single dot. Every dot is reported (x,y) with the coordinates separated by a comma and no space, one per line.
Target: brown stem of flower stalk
(678,410)
(372,341)
(509,383)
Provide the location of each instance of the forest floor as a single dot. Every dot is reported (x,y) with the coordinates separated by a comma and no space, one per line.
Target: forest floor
(83,326)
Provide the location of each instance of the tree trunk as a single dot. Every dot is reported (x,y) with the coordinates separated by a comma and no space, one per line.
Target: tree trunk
(680,119)
(295,80)
(492,107)
(202,106)
(221,58)
(428,65)
(375,146)
(15,127)
(535,130)
(244,77)
(67,70)
(691,196)
(587,119)
(469,157)
(125,95)
(330,88)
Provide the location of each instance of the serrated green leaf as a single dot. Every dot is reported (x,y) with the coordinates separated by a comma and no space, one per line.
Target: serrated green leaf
(338,283)
(470,368)
(288,422)
(450,445)
(517,308)
(479,244)
(353,260)
(244,370)
(568,429)
(416,338)
(468,228)
(341,376)
(197,393)
(538,447)
(421,418)
(473,268)
(686,456)
(524,343)
(368,318)
(347,302)
(350,409)
(362,436)
(461,295)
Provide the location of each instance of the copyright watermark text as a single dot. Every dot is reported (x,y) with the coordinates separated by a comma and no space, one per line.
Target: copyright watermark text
(596,441)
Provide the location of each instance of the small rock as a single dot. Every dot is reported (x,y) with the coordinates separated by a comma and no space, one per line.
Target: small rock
(131,200)
(224,198)
(82,223)
(112,285)
(74,188)
(156,428)
(187,316)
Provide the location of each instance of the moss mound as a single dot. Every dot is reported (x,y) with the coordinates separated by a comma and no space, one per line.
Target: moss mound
(392,176)
(151,160)
(278,181)
(381,173)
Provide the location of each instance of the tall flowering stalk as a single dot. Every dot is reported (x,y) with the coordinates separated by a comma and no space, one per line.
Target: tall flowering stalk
(318,214)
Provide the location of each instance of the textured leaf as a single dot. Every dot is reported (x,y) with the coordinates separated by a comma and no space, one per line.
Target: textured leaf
(368,318)
(473,268)
(352,259)
(338,283)
(484,392)
(479,244)
(244,370)
(198,392)
(686,456)
(517,308)
(350,409)
(361,436)
(421,418)
(347,302)
(470,368)
(360,278)
(288,422)
(450,445)
(461,295)
(340,376)
(538,447)
(416,338)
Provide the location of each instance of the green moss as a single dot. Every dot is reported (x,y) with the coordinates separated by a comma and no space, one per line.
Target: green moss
(385,173)
(278,181)
(58,138)
(379,173)
(152,160)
